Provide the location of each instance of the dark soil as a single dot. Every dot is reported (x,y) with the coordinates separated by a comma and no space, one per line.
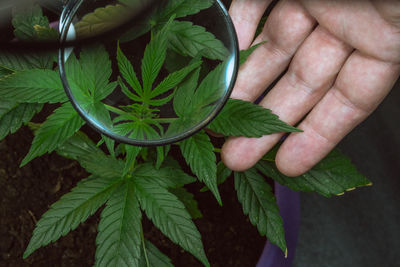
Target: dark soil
(228,236)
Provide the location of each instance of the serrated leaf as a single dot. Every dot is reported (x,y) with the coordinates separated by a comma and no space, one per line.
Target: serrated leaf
(155,256)
(72,209)
(79,147)
(13,115)
(162,153)
(259,203)
(188,39)
(22,60)
(334,175)
(181,8)
(244,54)
(162,13)
(119,238)
(102,20)
(33,86)
(184,94)
(166,176)
(188,200)
(128,73)
(110,143)
(208,92)
(58,127)
(242,118)
(131,154)
(223,174)
(25,19)
(170,216)
(174,79)
(96,69)
(98,113)
(45,33)
(198,153)
(153,59)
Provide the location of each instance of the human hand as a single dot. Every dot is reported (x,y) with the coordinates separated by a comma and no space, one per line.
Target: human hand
(343,58)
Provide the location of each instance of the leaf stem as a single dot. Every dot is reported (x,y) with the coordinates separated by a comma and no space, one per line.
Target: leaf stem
(115,110)
(217,150)
(165,120)
(144,246)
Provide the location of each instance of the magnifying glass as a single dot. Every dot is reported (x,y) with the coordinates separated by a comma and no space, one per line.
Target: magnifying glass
(159,78)
(146,72)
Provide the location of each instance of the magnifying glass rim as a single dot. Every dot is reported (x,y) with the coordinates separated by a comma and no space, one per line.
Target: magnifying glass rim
(66,20)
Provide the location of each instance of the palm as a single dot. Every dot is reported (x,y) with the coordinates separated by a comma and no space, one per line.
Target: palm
(343,57)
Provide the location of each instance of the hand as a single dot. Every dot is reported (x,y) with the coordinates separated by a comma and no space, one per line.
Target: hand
(343,57)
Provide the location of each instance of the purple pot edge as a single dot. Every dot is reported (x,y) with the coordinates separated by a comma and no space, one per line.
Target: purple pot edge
(289,205)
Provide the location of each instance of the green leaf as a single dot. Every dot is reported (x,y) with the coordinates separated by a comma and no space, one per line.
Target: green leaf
(181,8)
(13,115)
(25,19)
(119,238)
(258,201)
(166,176)
(128,93)
(334,175)
(155,256)
(162,13)
(110,143)
(174,79)
(198,153)
(58,127)
(209,91)
(72,209)
(128,73)
(79,147)
(131,154)
(175,61)
(23,60)
(153,59)
(45,33)
(184,94)
(98,112)
(188,200)
(170,216)
(33,86)
(4,72)
(96,70)
(244,54)
(190,40)
(162,153)
(102,20)
(223,174)
(242,118)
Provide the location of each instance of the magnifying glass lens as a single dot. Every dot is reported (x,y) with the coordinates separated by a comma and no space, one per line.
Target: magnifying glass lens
(157,76)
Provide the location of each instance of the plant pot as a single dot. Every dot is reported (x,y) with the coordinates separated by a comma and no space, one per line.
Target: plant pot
(289,205)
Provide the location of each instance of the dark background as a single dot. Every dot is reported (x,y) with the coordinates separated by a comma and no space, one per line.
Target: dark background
(361,228)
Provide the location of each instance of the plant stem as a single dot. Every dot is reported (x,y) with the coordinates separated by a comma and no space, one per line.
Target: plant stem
(144,246)
(165,120)
(217,150)
(115,110)
(121,112)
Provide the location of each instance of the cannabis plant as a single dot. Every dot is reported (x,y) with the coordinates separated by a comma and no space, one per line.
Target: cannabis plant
(130,181)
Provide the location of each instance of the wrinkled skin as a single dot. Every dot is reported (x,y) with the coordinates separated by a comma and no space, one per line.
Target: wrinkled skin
(343,58)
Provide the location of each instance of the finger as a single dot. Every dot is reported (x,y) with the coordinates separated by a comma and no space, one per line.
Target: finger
(358,21)
(246,15)
(285,30)
(361,86)
(310,75)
